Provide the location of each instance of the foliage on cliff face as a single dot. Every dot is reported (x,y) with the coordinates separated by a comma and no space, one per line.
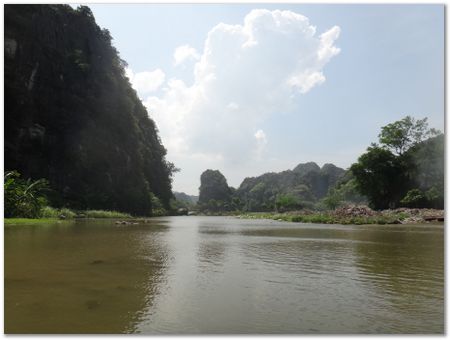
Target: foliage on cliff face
(305,184)
(72,117)
(215,194)
(183,200)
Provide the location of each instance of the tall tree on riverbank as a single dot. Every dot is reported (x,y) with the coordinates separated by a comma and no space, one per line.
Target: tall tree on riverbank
(72,117)
(404,165)
(401,135)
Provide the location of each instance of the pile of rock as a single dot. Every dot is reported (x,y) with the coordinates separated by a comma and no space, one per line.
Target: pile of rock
(419,215)
(354,211)
(126,222)
(413,220)
(432,214)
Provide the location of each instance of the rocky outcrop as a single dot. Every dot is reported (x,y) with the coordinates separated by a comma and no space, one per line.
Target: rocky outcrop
(213,186)
(307,182)
(72,117)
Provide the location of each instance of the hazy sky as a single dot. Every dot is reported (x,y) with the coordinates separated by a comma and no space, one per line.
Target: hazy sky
(248,89)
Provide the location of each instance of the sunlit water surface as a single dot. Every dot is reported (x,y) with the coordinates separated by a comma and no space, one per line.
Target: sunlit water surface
(209,275)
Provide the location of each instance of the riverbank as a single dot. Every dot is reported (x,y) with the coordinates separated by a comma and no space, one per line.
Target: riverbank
(52,215)
(356,215)
(353,215)
(20,221)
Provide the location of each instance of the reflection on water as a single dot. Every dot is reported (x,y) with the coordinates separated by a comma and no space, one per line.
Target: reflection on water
(211,255)
(406,269)
(224,275)
(81,278)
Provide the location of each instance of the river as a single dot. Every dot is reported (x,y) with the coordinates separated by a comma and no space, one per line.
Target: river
(223,275)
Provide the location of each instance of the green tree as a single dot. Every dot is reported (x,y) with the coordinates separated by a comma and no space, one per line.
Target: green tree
(287,202)
(429,160)
(381,177)
(157,207)
(414,198)
(435,197)
(410,156)
(333,199)
(236,203)
(405,133)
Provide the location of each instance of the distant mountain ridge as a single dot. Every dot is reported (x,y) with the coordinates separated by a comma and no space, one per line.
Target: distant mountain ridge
(183,197)
(307,183)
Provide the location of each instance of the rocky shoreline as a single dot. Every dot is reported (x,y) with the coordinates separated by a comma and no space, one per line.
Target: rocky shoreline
(356,214)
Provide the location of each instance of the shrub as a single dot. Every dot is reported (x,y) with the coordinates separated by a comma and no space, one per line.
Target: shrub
(333,199)
(297,219)
(287,202)
(49,212)
(23,198)
(67,213)
(414,198)
(157,207)
(105,214)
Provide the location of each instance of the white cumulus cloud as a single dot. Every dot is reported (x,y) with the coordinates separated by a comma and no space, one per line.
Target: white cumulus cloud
(245,74)
(146,82)
(183,53)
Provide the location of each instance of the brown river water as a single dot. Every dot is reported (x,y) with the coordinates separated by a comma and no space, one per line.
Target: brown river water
(223,275)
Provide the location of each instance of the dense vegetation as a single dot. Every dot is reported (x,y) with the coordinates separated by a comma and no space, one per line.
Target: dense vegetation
(24,198)
(72,118)
(406,168)
(27,199)
(302,187)
(183,200)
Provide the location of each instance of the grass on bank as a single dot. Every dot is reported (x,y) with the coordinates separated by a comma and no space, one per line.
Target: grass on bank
(49,212)
(19,220)
(105,214)
(49,215)
(327,218)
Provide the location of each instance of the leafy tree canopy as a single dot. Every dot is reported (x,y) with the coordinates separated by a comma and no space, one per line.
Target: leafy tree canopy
(380,176)
(401,135)
(406,169)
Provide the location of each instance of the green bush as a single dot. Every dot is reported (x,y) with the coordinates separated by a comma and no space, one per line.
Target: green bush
(67,213)
(382,220)
(49,212)
(287,202)
(23,198)
(333,199)
(435,198)
(414,198)
(297,219)
(157,207)
(105,214)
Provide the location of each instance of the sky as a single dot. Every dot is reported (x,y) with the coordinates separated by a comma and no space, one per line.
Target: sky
(248,89)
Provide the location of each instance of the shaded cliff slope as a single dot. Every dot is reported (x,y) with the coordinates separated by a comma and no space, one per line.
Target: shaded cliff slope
(72,117)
